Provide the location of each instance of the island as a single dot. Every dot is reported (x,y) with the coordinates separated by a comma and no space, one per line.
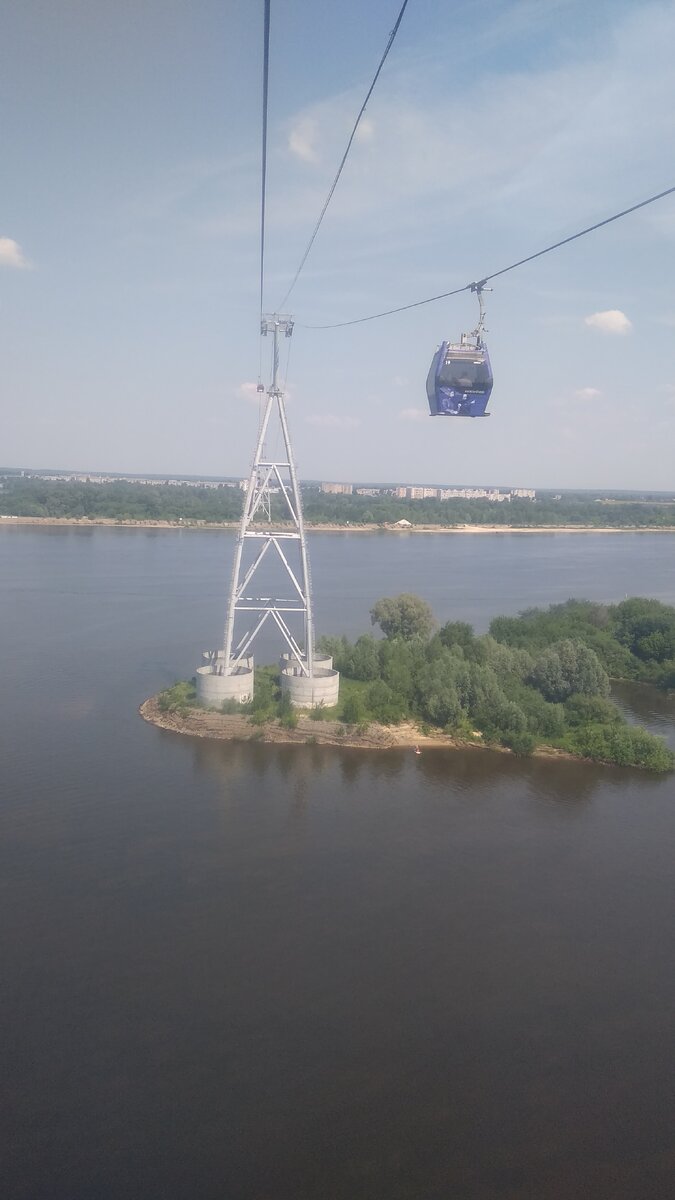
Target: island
(538,683)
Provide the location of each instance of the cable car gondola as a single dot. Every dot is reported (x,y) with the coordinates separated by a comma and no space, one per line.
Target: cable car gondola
(459,382)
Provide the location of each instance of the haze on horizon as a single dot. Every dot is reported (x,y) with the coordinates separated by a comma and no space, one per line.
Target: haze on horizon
(129,236)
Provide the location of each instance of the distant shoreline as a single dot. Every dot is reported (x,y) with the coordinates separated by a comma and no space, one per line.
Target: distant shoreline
(10,522)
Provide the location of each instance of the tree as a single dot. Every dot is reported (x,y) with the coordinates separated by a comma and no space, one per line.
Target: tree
(404,616)
(400,663)
(364,662)
(438,699)
(456,633)
(647,627)
(569,667)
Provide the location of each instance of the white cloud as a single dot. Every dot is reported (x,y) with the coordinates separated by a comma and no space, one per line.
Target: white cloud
(611,321)
(331,421)
(11,254)
(587,393)
(411,414)
(302,139)
(248,391)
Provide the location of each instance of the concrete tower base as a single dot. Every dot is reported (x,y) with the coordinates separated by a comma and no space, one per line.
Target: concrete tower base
(322,688)
(213,687)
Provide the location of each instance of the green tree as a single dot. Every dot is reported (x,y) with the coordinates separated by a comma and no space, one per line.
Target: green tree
(364,661)
(405,616)
(647,627)
(456,633)
(438,698)
(568,667)
(400,663)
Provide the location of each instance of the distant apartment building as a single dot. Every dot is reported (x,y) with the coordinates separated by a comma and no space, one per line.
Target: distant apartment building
(368,491)
(465,494)
(420,493)
(337,489)
(523,493)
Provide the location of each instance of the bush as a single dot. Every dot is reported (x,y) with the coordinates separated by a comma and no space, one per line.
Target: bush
(265,690)
(543,718)
(624,745)
(499,718)
(353,709)
(593,710)
(178,698)
(522,743)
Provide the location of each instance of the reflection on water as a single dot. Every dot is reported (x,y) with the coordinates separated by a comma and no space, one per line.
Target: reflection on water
(648,706)
(446,774)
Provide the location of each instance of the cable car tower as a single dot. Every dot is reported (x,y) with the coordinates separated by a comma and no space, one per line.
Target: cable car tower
(228,674)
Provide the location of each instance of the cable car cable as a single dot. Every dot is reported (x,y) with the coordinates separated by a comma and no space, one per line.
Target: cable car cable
(352,135)
(468,287)
(263,166)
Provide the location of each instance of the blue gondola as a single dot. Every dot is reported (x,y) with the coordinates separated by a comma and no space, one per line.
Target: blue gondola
(459,382)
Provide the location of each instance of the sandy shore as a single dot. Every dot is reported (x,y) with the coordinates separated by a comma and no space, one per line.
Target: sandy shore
(216,726)
(206,724)
(110,522)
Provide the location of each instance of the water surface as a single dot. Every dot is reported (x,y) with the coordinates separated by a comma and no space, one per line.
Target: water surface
(297,972)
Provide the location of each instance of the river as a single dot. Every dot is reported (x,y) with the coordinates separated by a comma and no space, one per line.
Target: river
(239,972)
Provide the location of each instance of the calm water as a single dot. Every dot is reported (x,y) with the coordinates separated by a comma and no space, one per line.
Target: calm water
(250,973)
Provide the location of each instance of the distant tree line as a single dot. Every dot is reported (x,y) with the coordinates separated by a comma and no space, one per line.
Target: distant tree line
(126,501)
(323,508)
(120,501)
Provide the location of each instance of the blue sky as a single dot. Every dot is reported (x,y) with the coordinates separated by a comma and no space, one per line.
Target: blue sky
(129,235)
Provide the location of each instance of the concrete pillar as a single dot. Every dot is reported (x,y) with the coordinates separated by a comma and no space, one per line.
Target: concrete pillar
(213,687)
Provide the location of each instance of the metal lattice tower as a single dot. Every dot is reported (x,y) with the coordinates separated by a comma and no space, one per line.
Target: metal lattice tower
(268,478)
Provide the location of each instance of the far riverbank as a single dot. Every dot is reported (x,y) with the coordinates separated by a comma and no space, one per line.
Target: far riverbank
(110,522)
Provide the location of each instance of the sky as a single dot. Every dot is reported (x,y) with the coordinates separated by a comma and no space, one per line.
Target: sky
(129,235)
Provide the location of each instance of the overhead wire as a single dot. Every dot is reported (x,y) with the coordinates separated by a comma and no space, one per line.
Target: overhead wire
(263,173)
(468,287)
(329,197)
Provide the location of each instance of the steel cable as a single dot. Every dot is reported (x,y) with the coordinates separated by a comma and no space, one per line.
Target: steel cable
(495,274)
(334,184)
